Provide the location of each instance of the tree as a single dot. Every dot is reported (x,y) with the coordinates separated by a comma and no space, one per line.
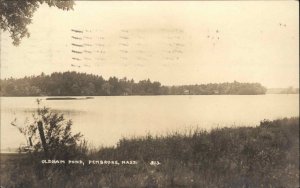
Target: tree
(58,143)
(59,140)
(17,14)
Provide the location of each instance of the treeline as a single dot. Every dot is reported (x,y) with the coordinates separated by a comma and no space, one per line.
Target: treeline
(289,90)
(82,84)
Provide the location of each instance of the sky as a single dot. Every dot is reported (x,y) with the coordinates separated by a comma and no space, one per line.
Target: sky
(175,43)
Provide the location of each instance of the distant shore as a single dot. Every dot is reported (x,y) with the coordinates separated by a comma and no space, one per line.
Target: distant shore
(82,84)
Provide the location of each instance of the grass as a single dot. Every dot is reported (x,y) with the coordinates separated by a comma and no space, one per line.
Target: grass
(262,156)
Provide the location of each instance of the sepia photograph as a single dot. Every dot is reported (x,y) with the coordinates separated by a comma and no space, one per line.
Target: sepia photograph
(149,94)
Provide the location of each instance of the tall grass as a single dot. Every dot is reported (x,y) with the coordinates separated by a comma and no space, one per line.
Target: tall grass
(262,156)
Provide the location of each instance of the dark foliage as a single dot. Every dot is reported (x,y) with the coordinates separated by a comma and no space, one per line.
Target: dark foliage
(17,14)
(60,142)
(82,84)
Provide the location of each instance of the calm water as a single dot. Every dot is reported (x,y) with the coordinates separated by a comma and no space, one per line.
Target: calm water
(104,120)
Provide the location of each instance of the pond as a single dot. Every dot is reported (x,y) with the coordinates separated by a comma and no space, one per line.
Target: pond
(103,120)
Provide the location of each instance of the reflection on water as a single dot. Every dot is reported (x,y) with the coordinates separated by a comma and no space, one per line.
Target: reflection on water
(33,110)
(104,120)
